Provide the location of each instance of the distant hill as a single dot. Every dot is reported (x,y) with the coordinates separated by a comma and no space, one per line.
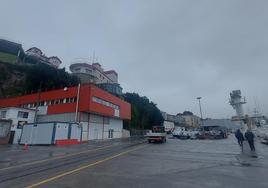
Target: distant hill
(22,78)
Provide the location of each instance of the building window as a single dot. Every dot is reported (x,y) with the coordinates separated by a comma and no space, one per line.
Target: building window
(20,124)
(61,101)
(106,120)
(3,114)
(77,70)
(42,103)
(57,101)
(105,103)
(71,100)
(23,114)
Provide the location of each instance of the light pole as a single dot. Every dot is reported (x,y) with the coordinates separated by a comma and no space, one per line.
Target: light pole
(199,98)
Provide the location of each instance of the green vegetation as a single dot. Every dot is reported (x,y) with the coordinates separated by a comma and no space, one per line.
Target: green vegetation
(18,79)
(9,58)
(144,113)
(24,78)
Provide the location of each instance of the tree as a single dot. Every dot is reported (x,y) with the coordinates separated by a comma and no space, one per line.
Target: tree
(144,113)
(18,79)
(187,113)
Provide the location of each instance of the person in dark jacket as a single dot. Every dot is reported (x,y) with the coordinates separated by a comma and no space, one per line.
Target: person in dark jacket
(250,138)
(240,138)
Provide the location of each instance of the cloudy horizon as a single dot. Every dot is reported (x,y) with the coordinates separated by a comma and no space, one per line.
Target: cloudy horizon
(170,51)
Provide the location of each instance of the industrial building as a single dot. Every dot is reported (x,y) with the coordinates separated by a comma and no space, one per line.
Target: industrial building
(99,113)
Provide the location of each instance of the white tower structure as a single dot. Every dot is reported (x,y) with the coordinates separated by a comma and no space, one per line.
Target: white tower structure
(237,101)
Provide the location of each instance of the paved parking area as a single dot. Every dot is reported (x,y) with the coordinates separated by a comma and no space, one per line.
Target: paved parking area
(177,163)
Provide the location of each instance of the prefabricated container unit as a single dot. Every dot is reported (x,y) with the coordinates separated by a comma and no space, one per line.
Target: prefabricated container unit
(5,126)
(47,133)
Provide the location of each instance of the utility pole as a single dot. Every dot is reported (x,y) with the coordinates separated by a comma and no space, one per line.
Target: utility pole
(37,102)
(199,98)
(77,103)
(103,128)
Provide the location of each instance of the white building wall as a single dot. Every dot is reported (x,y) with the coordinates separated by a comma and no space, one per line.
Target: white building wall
(169,125)
(113,77)
(12,114)
(117,126)
(98,130)
(97,73)
(93,130)
(61,131)
(93,126)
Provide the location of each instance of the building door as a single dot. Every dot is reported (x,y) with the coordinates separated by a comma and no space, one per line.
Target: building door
(110,133)
(11,138)
(96,132)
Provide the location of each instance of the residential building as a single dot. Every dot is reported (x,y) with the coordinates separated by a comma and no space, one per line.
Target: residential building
(10,52)
(191,121)
(37,54)
(168,117)
(164,115)
(94,73)
(19,117)
(100,113)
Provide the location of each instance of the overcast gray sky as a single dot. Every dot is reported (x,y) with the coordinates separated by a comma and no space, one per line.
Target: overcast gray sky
(171,50)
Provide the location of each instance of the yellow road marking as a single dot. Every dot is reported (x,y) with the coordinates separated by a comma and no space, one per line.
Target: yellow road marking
(54,158)
(83,167)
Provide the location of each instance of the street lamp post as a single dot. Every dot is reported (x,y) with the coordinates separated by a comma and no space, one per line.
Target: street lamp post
(199,98)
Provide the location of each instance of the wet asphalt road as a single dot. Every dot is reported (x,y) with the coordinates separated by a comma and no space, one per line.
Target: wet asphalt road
(177,163)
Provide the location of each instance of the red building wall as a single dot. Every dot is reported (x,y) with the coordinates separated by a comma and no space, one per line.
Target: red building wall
(85,101)
(125,108)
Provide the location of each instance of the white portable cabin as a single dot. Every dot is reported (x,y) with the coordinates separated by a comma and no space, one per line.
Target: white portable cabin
(47,133)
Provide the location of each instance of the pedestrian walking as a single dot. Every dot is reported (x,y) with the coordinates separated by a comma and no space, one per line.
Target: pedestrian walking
(250,138)
(240,138)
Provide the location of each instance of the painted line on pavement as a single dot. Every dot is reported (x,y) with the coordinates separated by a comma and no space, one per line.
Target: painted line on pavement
(83,167)
(55,158)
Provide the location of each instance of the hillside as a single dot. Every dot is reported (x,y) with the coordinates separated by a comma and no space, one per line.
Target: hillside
(17,79)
